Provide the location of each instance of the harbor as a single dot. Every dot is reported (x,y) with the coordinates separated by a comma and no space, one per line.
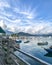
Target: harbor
(15,52)
(8,47)
(25,32)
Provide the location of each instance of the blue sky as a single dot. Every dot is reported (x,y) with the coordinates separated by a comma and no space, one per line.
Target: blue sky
(32,16)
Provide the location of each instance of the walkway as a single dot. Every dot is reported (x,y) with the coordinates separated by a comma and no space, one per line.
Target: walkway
(1,57)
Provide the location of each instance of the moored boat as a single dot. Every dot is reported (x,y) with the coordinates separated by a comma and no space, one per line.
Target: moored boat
(26,41)
(49,50)
(48,55)
(42,43)
(18,41)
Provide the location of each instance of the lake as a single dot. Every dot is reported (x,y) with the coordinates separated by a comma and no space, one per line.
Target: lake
(36,50)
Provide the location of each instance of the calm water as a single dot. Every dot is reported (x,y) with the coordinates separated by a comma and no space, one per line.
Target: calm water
(35,50)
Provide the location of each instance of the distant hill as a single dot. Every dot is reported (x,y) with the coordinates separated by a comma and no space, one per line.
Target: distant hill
(8,32)
(27,34)
(24,34)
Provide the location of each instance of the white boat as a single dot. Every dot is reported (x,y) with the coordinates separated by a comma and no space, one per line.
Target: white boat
(18,41)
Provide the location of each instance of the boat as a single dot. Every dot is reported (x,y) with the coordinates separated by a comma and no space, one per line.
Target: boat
(42,43)
(26,41)
(18,41)
(49,50)
(48,55)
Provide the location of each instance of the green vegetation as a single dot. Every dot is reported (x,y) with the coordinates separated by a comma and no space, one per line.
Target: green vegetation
(14,35)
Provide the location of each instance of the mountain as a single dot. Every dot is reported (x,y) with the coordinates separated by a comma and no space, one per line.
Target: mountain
(27,34)
(8,32)
(24,34)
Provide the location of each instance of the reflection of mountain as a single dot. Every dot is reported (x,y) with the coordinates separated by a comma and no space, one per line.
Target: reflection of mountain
(27,34)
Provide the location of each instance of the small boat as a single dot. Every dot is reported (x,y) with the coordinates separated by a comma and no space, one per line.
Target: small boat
(42,43)
(18,41)
(26,41)
(48,55)
(49,50)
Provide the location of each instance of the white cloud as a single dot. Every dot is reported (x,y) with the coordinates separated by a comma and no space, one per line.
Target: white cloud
(4,4)
(13,29)
(25,22)
(34,28)
(3,25)
(17,10)
(16,21)
(28,13)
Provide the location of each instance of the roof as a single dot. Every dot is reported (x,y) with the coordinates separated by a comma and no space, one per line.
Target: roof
(1,30)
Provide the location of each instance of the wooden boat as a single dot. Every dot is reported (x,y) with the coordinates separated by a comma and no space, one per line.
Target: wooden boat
(26,41)
(18,41)
(42,43)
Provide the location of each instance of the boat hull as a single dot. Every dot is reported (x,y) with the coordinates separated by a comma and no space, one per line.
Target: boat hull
(48,50)
(42,43)
(26,42)
(18,41)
